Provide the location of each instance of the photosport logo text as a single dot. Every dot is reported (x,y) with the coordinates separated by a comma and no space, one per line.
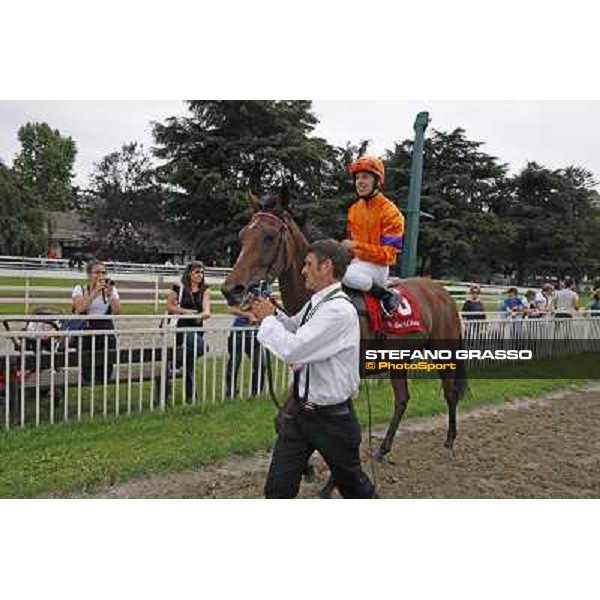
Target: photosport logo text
(434,360)
(497,358)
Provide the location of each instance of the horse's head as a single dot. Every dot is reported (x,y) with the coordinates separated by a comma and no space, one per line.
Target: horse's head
(265,248)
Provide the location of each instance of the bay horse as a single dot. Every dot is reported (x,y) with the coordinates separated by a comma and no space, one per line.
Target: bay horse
(273,246)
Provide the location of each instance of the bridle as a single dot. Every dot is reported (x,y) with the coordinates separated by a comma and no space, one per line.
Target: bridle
(283,230)
(270,275)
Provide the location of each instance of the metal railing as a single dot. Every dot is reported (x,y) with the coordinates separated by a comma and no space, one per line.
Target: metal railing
(52,370)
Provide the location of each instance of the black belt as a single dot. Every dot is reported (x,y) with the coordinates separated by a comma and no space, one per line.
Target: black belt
(343,408)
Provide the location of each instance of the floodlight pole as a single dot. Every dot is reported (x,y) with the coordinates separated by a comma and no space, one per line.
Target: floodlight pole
(409,255)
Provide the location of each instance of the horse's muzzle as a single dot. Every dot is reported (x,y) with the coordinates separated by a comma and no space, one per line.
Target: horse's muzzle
(233,296)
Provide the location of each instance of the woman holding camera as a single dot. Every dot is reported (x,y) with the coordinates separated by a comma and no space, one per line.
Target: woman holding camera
(190,300)
(97,297)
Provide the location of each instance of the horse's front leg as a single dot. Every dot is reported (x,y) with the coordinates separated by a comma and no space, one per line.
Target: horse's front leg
(401,397)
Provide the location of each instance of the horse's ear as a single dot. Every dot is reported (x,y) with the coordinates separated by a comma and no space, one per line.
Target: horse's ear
(253,201)
(284,194)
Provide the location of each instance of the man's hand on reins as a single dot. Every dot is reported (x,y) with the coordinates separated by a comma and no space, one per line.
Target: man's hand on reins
(261,308)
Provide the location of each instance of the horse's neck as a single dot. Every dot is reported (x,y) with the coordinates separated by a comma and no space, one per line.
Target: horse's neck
(291,283)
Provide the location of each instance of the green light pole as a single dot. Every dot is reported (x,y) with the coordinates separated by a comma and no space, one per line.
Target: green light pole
(409,255)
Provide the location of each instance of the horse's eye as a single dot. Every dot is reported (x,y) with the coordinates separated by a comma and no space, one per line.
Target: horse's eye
(268,240)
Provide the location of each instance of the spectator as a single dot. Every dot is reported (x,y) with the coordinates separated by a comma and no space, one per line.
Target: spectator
(98,297)
(76,261)
(473,305)
(192,297)
(565,301)
(52,256)
(244,340)
(530,299)
(594,305)
(514,305)
(542,302)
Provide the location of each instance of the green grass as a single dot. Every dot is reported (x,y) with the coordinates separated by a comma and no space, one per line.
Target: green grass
(39,281)
(81,456)
(142,308)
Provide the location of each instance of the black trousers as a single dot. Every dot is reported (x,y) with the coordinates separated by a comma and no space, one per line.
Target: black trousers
(335,435)
(104,339)
(193,351)
(244,341)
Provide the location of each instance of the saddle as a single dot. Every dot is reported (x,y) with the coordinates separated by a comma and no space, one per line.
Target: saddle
(406,319)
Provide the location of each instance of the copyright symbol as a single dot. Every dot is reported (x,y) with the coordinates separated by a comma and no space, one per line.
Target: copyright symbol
(370,365)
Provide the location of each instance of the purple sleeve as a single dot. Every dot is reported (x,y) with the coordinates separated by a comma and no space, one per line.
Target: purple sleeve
(397,241)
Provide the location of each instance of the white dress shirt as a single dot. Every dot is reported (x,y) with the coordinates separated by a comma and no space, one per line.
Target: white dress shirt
(329,341)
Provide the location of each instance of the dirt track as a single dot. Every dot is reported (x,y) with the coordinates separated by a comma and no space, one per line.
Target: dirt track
(541,448)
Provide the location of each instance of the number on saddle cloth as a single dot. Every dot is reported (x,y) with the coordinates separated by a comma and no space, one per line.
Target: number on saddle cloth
(404,307)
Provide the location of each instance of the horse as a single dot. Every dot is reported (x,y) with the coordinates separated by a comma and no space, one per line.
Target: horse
(273,246)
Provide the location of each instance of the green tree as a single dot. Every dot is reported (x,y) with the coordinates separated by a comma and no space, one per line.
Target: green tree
(552,215)
(462,187)
(223,149)
(45,165)
(125,204)
(22,230)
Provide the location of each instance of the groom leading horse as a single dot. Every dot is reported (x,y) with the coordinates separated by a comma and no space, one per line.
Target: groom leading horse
(274,247)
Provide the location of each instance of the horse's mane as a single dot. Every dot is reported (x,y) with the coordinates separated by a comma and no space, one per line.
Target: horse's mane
(272,204)
(299,214)
(308,228)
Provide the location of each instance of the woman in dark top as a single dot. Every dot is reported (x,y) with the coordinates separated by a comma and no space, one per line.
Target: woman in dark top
(192,297)
(473,305)
(472,314)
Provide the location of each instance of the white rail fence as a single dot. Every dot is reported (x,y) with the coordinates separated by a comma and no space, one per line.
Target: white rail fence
(134,288)
(51,371)
(53,265)
(153,290)
(154,296)
(158,277)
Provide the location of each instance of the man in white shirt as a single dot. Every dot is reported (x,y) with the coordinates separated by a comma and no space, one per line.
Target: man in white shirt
(565,301)
(322,342)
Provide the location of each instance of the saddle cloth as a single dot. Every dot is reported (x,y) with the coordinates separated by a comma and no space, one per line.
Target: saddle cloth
(406,319)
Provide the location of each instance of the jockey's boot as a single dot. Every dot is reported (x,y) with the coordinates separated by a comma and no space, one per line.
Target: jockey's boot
(388,299)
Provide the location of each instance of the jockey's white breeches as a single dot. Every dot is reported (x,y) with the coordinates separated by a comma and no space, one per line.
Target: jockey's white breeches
(361,275)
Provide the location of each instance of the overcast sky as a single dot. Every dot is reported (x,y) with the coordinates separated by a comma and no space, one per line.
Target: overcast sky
(554,133)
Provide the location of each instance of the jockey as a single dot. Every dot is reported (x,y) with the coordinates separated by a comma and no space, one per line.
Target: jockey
(376,230)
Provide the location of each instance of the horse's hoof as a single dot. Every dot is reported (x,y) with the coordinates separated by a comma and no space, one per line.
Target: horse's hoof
(451,452)
(325,494)
(379,456)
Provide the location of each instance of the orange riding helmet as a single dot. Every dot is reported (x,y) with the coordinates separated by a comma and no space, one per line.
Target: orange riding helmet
(369,164)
